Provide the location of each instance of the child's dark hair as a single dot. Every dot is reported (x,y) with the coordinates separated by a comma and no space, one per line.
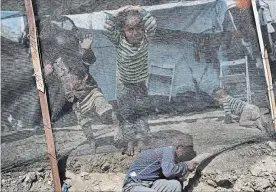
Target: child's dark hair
(219,92)
(56,41)
(187,143)
(122,17)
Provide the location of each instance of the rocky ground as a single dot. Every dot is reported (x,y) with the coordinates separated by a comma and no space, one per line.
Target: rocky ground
(247,167)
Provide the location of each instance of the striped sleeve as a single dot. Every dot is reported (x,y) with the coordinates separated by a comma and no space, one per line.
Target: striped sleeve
(149,23)
(226,107)
(112,32)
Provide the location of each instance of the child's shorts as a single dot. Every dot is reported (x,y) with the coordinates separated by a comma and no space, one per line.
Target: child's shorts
(251,112)
(93,103)
(133,100)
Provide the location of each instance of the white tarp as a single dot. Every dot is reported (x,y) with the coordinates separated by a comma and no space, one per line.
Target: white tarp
(96,20)
(12,28)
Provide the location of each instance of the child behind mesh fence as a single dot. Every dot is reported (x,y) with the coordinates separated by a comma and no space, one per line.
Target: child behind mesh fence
(130,29)
(249,115)
(62,59)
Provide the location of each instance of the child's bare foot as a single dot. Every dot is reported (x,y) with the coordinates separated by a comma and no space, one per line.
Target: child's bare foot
(140,146)
(130,149)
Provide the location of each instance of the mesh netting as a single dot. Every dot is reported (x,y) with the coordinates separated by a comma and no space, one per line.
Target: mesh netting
(195,78)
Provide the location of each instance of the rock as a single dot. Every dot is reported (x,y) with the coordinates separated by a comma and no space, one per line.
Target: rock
(272,180)
(41,170)
(247,189)
(271,189)
(41,174)
(49,183)
(261,184)
(220,189)
(3,181)
(85,176)
(224,181)
(31,177)
(211,183)
(105,167)
(234,177)
(22,178)
(272,145)
(257,171)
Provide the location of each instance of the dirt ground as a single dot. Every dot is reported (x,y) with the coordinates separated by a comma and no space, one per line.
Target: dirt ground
(248,167)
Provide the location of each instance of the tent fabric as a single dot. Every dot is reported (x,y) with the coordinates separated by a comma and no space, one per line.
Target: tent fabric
(203,18)
(188,16)
(191,16)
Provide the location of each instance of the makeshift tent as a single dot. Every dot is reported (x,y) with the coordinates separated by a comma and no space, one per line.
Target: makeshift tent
(183,24)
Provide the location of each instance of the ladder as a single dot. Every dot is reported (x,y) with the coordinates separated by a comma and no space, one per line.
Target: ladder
(226,78)
(164,73)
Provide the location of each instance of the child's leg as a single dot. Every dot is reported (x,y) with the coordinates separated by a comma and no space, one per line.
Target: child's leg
(125,102)
(118,135)
(143,104)
(85,122)
(247,123)
(245,119)
(143,126)
(87,130)
(95,101)
(256,116)
(259,124)
(251,117)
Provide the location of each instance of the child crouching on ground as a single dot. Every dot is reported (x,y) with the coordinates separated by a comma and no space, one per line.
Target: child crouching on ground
(249,115)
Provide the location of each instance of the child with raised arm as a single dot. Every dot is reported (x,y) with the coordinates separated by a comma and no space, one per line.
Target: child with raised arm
(70,70)
(130,29)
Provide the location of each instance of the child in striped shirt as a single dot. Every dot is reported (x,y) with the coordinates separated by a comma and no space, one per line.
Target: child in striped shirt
(67,68)
(130,29)
(249,115)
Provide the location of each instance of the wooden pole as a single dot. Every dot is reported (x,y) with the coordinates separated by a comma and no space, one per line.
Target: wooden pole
(42,95)
(265,64)
(270,88)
